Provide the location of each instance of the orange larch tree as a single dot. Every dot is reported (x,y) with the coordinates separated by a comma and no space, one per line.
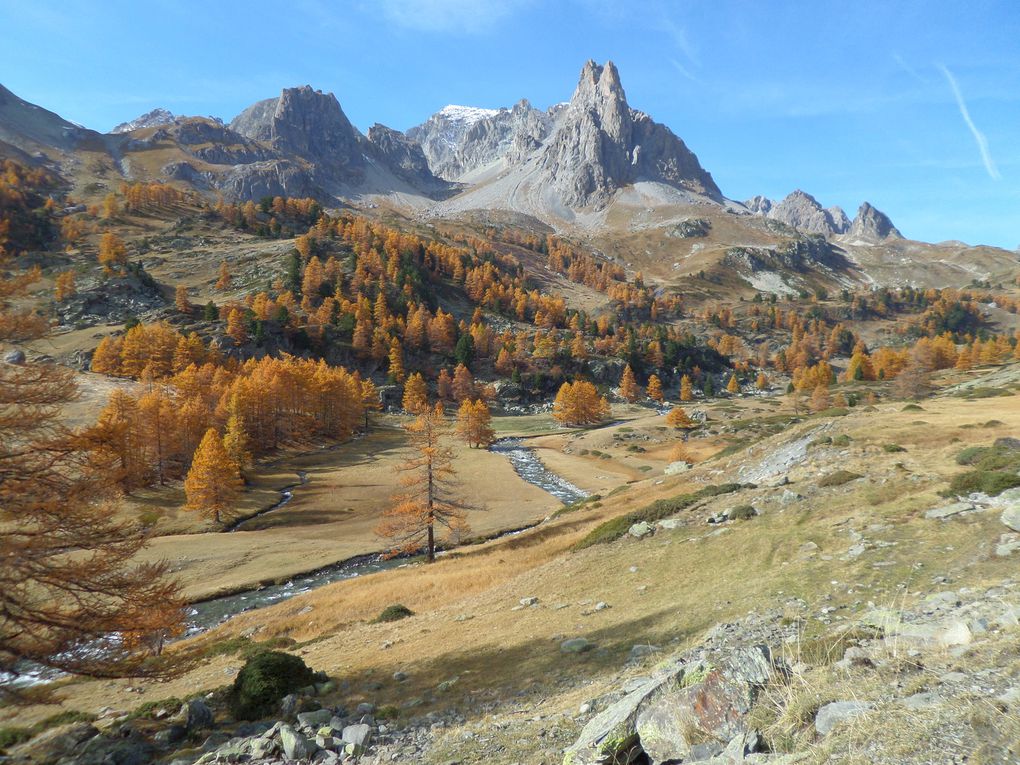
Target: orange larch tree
(579,403)
(415,399)
(686,389)
(223,279)
(70,576)
(112,252)
(474,423)
(214,480)
(628,385)
(426,504)
(655,389)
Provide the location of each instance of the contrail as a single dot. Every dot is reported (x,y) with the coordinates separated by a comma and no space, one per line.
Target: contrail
(982,142)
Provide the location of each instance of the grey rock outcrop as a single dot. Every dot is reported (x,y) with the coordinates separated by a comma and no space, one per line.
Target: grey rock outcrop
(154,118)
(759,205)
(871,224)
(803,212)
(669,717)
(309,124)
(403,155)
(458,140)
(601,145)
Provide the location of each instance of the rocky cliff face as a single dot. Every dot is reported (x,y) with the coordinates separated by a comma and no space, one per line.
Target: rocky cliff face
(403,155)
(309,124)
(803,212)
(458,140)
(871,224)
(601,145)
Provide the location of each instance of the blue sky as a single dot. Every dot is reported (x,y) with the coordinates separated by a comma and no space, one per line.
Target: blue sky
(914,106)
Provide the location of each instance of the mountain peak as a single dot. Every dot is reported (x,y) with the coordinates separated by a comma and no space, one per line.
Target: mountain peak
(872,224)
(602,145)
(156,117)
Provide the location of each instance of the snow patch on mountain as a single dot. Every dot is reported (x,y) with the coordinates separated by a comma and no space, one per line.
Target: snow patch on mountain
(466,114)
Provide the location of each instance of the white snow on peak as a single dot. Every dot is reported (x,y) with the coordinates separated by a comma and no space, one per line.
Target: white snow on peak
(467,114)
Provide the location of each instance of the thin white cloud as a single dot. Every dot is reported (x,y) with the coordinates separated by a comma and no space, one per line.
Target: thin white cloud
(979,137)
(449,16)
(683,70)
(908,68)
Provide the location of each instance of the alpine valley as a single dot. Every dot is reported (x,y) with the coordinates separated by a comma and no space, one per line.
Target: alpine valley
(506,439)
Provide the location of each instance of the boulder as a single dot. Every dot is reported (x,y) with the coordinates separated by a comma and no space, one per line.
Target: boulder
(1011,517)
(948,511)
(195,715)
(356,738)
(655,720)
(831,715)
(295,745)
(314,719)
(16,356)
(1008,544)
(576,645)
(641,530)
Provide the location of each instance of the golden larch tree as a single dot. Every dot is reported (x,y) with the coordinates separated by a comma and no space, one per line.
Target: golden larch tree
(235,437)
(654,390)
(64,287)
(70,577)
(733,386)
(761,382)
(686,389)
(579,403)
(463,383)
(214,480)
(474,423)
(369,398)
(628,385)
(396,362)
(112,252)
(426,504)
(223,280)
(181,300)
(416,398)
(236,327)
(678,418)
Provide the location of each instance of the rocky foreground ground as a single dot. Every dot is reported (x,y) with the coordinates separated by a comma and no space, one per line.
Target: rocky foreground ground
(935,682)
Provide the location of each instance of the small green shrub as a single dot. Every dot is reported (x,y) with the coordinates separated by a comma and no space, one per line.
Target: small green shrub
(387,712)
(990,482)
(18,735)
(824,441)
(264,680)
(893,448)
(912,408)
(972,455)
(741,513)
(149,709)
(614,529)
(842,440)
(993,424)
(14,736)
(838,478)
(394,613)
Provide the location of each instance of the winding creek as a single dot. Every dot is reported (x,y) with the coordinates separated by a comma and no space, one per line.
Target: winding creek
(206,614)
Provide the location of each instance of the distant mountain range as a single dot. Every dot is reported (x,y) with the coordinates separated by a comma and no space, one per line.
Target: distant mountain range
(592,165)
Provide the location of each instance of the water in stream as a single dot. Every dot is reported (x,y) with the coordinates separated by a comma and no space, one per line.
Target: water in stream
(207,614)
(529,467)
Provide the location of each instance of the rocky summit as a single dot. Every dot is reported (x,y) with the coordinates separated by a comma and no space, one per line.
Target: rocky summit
(601,145)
